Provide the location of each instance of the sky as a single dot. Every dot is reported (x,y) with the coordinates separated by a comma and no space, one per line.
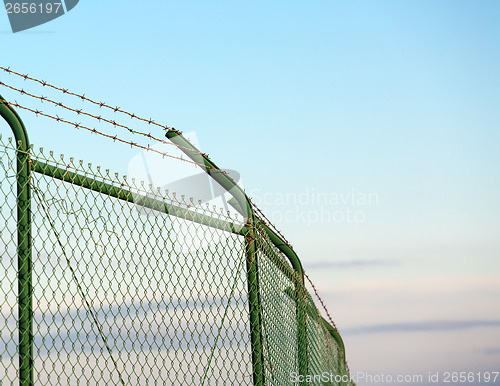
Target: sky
(368,132)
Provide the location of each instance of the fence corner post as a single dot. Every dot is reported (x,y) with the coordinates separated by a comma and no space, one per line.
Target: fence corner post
(24,258)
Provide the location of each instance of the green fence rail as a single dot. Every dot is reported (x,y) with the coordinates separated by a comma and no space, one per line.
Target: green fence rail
(105,281)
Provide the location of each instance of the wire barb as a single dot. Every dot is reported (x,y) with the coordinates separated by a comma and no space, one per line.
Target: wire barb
(98,117)
(115,137)
(330,319)
(95,131)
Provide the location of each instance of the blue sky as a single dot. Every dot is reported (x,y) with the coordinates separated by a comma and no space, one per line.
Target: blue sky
(396,99)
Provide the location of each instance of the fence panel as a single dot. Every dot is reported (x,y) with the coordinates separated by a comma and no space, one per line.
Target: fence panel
(125,293)
(8,266)
(118,283)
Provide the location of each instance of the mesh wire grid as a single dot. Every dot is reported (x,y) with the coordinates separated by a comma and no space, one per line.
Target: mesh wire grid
(132,286)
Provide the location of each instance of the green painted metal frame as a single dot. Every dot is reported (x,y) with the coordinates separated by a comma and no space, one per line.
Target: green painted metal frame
(161,206)
(240,201)
(157,205)
(124,194)
(244,206)
(24,258)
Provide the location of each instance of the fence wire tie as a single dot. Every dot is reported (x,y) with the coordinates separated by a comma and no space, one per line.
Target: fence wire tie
(65,209)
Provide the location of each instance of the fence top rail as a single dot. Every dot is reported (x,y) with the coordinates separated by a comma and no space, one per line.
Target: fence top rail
(102,182)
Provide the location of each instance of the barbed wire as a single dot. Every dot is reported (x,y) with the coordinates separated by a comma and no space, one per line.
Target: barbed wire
(263,217)
(115,124)
(330,319)
(84,98)
(100,118)
(323,305)
(268,222)
(95,131)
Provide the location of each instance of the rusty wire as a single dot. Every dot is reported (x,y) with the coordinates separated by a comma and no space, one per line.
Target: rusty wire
(84,98)
(268,222)
(115,137)
(323,305)
(100,118)
(95,131)
(330,319)
(115,124)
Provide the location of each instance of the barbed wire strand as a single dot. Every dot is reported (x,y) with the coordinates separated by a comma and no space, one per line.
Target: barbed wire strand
(84,98)
(115,137)
(101,118)
(148,148)
(268,222)
(330,319)
(117,109)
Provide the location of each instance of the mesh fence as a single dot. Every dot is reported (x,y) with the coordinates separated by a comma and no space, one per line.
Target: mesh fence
(296,339)
(134,286)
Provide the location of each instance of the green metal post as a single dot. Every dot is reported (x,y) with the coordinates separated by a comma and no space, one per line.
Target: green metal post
(302,329)
(242,202)
(300,299)
(335,335)
(246,210)
(254,307)
(24,269)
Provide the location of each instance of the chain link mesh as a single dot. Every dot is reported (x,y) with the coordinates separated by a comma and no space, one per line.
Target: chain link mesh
(132,286)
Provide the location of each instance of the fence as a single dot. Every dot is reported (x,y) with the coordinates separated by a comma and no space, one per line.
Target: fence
(106,281)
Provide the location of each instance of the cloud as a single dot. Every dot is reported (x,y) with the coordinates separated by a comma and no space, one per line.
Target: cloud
(424,326)
(492,351)
(350,264)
